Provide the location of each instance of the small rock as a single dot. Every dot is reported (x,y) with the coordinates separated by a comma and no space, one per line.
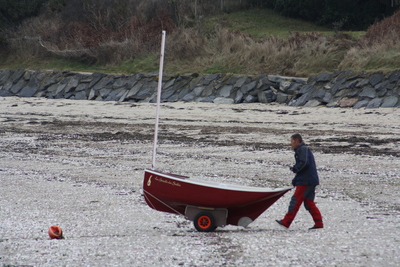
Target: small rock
(361,104)
(323,77)
(368,92)
(240,82)
(347,102)
(282,98)
(250,99)
(389,102)
(225,90)
(223,100)
(313,103)
(376,78)
(394,76)
(374,103)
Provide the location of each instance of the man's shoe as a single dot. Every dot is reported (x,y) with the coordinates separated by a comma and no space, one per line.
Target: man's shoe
(316,228)
(281,224)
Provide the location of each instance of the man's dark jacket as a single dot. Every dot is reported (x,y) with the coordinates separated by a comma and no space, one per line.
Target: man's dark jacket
(305,168)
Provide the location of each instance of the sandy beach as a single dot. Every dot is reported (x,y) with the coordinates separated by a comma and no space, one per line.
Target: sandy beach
(79,165)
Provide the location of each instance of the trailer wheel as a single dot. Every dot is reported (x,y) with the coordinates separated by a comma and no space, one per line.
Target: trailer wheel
(204,222)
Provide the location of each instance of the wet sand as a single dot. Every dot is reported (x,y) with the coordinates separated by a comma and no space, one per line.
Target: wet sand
(79,165)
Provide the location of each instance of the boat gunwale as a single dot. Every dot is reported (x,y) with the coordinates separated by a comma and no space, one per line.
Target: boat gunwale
(221,186)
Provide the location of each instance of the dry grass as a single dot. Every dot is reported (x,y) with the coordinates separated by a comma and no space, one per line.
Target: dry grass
(379,49)
(298,55)
(137,43)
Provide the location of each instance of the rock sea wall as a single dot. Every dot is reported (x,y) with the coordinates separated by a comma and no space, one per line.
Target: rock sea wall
(339,89)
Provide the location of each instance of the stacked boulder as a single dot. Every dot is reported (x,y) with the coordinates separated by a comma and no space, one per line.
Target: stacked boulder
(340,89)
(349,89)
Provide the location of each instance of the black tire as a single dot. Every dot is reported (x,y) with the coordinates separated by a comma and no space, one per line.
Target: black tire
(204,222)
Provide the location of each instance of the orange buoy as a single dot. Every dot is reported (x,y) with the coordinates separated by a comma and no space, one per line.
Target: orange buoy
(55,232)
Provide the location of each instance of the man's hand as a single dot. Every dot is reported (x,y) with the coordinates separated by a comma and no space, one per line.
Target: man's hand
(291,168)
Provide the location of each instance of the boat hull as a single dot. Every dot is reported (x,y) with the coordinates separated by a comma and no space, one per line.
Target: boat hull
(172,193)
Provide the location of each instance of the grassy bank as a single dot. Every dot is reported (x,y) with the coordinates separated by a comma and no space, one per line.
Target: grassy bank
(244,42)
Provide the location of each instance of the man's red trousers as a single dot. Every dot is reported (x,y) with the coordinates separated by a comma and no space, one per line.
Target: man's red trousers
(306,194)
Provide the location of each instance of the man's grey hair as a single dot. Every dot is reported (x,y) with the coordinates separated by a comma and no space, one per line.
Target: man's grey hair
(297,137)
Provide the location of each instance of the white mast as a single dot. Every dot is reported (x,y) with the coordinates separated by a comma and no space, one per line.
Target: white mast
(160,75)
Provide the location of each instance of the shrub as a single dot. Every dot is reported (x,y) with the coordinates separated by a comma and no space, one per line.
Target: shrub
(386,31)
(379,49)
(12,11)
(350,14)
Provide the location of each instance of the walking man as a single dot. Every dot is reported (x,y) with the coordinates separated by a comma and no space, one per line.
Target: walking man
(305,181)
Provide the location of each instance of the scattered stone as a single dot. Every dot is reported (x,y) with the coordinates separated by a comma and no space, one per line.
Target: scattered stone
(382,85)
(301,100)
(239,97)
(353,93)
(81,87)
(165,94)
(81,95)
(320,94)
(250,99)
(275,79)
(389,102)
(344,75)
(223,100)
(282,98)
(266,96)
(368,92)
(347,102)
(95,77)
(362,83)
(189,97)
(211,77)
(294,88)
(28,92)
(116,95)
(376,78)
(5,92)
(361,104)
(187,90)
(357,76)
(394,77)
(313,103)
(72,84)
(337,86)
(285,85)
(4,75)
(208,99)
(349,85)
(333,103)
(306,88)
(198,91)
(104,82)
(226,90)
(17,75)
(27,75)
(299,80)
(248,87)
(382,92)
(240,82)
(169,84)
(374,103)
(18,86)
(327,98)
(323,77)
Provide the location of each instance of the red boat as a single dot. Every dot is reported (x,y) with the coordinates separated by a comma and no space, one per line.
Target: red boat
(207,204)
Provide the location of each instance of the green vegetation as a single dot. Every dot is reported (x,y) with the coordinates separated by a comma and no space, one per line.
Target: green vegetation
(262,23)
(247,41)
(149,63)
(342,14)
